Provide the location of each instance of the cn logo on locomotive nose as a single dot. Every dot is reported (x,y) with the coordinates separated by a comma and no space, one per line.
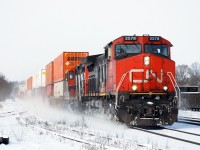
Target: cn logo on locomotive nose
(146,79)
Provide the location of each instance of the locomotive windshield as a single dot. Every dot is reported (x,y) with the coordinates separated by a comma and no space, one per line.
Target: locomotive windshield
(128,49)
(156,49)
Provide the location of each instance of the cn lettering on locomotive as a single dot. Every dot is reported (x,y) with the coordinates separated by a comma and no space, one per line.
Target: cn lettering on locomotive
(146,77)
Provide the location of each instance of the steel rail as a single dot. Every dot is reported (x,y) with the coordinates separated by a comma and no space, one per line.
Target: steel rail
(167,136)
(181,131)
(197,123)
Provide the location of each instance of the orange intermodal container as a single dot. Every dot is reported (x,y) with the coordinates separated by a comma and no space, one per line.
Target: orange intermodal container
(49,73)
(65,62)
(29,83)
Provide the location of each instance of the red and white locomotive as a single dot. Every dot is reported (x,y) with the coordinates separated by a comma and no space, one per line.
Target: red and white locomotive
(133,78)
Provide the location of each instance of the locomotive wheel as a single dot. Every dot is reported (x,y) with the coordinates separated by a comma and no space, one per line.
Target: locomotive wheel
(110,113)
(173,118)
(124,116)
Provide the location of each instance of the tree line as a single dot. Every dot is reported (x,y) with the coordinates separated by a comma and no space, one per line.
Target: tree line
(6,87)
(188,75)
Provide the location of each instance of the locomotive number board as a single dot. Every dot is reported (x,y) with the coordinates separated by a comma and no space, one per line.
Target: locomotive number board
(154,38)
(130,38)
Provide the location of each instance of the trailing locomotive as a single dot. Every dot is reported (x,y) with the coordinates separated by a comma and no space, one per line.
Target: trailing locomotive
(133,79)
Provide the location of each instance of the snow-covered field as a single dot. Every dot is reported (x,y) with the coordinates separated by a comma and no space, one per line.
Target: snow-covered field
(34,125)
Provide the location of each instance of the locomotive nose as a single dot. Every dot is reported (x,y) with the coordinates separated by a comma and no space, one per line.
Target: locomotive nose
(154,73)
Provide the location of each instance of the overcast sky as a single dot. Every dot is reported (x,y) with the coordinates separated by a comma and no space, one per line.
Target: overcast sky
(34,32)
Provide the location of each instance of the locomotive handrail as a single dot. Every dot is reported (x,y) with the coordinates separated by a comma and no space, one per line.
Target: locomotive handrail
(176,85)
(120,82)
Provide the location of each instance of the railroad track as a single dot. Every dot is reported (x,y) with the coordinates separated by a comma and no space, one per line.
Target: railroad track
(156,132)
(187,120)
(61,135)
(95,139)
(8,113)
(76,135)
(185,132)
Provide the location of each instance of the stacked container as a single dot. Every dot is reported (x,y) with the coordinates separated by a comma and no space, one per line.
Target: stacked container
(63,63)
(39,83)
(29,86)
(22,90)
(49,79)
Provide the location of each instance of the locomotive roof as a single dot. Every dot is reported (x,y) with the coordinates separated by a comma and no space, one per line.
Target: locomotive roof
(90,59)
(135,37)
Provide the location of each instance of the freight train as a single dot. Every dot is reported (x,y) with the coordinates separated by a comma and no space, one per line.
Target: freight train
(190,98)
(133,80)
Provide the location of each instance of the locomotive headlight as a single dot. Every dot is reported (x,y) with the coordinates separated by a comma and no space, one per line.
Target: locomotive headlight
(146,60)
(165,88)
(150,103)
(134,87)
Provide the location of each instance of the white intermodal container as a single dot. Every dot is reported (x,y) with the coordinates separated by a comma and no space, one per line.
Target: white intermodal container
(34,81)
(22,90)
(59,88)
(39,79)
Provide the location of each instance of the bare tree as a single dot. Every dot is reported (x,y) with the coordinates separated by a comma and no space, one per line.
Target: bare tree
(195,73)
(182,74)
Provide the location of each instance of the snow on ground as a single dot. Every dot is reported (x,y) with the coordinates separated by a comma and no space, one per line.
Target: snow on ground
(23,138)
(187,127)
